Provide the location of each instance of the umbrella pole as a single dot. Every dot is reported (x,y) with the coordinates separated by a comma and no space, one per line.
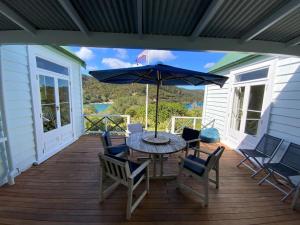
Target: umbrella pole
(156,109)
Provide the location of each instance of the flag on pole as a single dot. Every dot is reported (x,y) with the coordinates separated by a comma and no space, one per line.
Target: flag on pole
(142,57)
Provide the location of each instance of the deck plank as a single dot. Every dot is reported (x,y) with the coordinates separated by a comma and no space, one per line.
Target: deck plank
(64,189)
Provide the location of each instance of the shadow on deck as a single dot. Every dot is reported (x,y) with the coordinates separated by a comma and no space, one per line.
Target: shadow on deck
(64,190)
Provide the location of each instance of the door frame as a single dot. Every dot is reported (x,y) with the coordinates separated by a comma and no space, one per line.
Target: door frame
(38,51)
(267,102)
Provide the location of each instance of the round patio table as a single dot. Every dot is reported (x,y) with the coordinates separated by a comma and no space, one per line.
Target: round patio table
(137,143)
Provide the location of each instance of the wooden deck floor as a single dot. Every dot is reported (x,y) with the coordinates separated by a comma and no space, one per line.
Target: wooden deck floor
(64,190)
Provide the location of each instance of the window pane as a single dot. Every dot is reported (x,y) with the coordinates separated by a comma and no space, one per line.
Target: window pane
(253,115)
(257,74)
(64,103)
(237,107)
(47,91)
(256,97)
(251,127)
(47,65)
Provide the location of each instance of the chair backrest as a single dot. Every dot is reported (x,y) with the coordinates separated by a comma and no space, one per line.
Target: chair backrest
(106,138)
(135,128)
(190,134)
(214,157)
(268,145)
(115,167)
(291,157)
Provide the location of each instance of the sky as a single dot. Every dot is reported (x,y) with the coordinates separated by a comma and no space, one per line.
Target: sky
(113,58)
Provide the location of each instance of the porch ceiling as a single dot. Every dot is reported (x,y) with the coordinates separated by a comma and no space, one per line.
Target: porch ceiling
(263,26)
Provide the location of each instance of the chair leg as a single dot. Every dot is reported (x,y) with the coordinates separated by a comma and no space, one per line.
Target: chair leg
(217,175)
(101,178)
(129,203)
(147,180)
(296,196)
(243,160)
(264,179)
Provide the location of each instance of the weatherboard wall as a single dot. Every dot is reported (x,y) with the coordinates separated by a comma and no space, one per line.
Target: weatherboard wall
(18,106)
(16,75)
(284,113)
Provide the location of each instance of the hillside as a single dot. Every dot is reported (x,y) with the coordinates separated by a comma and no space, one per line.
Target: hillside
(95,91)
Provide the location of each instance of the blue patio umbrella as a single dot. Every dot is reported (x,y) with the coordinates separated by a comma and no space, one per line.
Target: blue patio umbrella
(157,75)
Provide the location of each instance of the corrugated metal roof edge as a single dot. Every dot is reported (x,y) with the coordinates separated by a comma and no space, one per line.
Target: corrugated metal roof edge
(70,54)
(242,60)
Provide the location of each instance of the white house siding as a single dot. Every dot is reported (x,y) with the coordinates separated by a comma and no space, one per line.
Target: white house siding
(18,106)
(215,106)
(284,119)
(285,113)
(15,75)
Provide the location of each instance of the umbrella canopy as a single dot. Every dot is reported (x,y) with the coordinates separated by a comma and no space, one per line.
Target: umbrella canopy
(154,74)
(158,75)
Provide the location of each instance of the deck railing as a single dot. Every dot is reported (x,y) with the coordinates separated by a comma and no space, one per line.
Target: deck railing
(177,123)
(97,123)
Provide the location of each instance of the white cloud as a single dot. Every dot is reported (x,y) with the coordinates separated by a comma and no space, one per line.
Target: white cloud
(121,53)
(92,68)
(208,65)
(156,56)
(115,63)
(85,53)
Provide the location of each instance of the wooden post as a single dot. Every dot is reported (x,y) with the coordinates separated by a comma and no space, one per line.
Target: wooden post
(173,124)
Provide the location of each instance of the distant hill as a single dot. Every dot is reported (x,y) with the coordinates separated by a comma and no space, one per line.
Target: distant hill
(94,91)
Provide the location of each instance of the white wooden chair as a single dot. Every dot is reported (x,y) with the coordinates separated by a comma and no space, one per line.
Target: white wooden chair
(127,173)
(200,170)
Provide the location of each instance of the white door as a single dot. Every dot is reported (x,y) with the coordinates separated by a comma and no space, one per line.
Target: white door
(249,107)
(55,111)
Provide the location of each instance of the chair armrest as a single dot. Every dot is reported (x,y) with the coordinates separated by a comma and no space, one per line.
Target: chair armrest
(193,140)
(191,161)
(139,169)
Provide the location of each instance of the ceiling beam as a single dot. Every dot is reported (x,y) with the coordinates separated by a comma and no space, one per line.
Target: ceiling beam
(140,17)
(69,8)
(293,42)
(284,11)
(16,18)
(206,18)
(120,40)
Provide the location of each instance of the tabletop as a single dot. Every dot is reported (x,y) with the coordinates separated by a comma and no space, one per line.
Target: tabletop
(135,142)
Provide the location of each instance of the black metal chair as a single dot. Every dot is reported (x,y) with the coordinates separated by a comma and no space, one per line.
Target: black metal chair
(200,170)
(116,150)
(265,149)
(288,166)
(192,139)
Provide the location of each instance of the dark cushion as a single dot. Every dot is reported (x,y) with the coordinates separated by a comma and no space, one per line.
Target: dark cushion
(114,150)
(253,153)
(210,135)
(192,167)
(132,167)
(281,169)
(190,134)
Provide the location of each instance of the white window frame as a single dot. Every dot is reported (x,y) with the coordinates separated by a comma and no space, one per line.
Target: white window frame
(268,81)
(47,54)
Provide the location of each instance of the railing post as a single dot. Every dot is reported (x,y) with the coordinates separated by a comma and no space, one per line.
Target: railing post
(194,123)
(173,125)
(105,123)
